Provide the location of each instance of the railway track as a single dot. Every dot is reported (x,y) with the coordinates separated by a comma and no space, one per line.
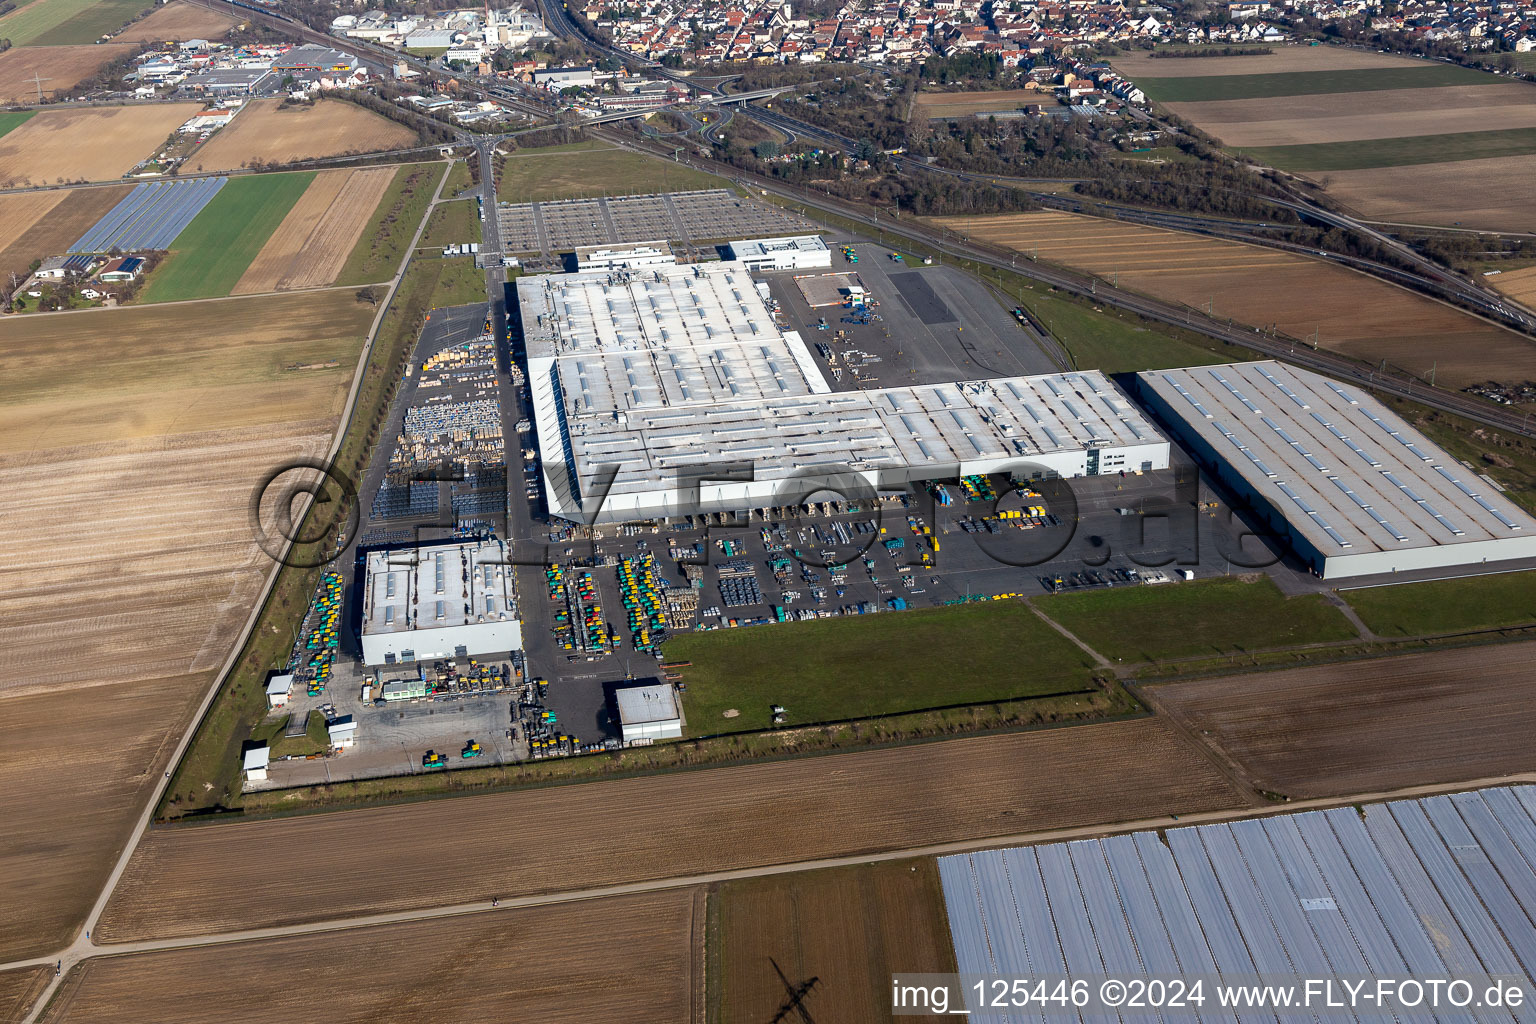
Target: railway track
(1290,350)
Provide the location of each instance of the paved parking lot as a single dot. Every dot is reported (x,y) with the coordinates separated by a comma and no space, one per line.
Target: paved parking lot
(681,217)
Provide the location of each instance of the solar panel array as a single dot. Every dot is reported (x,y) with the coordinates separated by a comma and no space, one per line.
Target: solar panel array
(151,216)
(1434,888)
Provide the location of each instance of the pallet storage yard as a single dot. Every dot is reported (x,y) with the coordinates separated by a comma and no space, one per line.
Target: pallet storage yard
(427,603)
(671,391)
(1353,487)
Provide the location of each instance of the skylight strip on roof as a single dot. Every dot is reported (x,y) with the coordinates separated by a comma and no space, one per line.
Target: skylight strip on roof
(1426,506)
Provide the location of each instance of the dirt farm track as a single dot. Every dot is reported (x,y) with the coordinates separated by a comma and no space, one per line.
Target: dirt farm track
(629,958)
(86,143)
(265,133)
(661,826)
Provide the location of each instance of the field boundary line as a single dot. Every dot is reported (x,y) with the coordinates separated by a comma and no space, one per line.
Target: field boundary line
(1037,837)
(80,949)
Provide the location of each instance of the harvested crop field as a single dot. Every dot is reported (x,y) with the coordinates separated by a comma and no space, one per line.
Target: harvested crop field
(62,68)
(264,133)
(1217,116)
(1492,194)
(1256,84)
(960,104)
(850,927)
(1369,726)
(1352,314)
(311,245)
(118,734)
(160,421)
(77,379)
(19,989)
(629,958)
(178,22)
(1519,285)
(35,225)
(1398,124)
(1283,60)
(666,825)
(86,144)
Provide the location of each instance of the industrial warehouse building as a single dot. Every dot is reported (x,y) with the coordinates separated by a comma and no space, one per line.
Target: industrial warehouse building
(1353,487)
(624,257)
(671,391)
(795,253)
(444,601)
(648,713)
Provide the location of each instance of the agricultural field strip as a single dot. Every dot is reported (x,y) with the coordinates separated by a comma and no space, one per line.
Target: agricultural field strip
(312,243)
(1490,194)
(1310,83)
(262,133)
(19,212)
(847,804)
(47,147)
(1281,59)
(1398,152)
(1353,314)
(629,959)
(1409,125)
(964,846)
(1327,107)
(151,216)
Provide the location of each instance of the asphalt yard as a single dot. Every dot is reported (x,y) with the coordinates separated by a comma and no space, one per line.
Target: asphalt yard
(935,324)
(685,218)
(1099,532)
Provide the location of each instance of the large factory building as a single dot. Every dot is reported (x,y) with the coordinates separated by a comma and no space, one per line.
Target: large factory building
(1355,489)
(440,601)
(671,390)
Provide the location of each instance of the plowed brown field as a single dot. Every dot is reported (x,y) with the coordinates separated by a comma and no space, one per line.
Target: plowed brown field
(1214,115)
(131,443)
(1351,313)
(310,246)
(1493,194)
(850,927)
(263,133)
(663,826)
(626,958)
(1284,60)
(1298,131)
(1369,726)
(35,225)
(18,989)
(86,144)
(61,67)
(960,104)
(1519,285)
(179,22)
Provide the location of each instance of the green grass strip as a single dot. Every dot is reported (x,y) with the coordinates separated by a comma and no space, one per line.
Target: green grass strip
(10,120)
